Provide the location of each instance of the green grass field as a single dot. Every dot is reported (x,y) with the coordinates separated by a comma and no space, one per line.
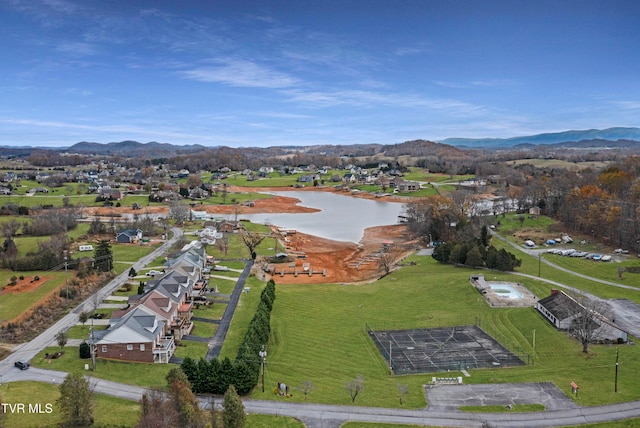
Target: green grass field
(127,413)
(140,374)
(318,335)
(14,304)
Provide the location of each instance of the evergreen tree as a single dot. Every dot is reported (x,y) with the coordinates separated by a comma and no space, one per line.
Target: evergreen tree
(226,374)
(504,262)
(458,253)
(491,258)
(103,256)
(234,416)
(245,377)
(474,257)
(441,252)
(85,350)
(484,236)
(191,370)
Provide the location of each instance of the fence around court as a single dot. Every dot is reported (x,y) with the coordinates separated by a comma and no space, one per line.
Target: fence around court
(402,362)
(505,341)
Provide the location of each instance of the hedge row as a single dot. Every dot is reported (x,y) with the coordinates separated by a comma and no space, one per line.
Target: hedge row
(216,375)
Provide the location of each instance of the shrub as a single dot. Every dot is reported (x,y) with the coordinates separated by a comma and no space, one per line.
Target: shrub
(85,350)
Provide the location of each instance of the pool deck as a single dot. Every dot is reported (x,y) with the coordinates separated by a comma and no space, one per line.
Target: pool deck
(494,299)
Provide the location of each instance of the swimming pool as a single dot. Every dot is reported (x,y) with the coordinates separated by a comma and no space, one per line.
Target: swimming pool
(505,289)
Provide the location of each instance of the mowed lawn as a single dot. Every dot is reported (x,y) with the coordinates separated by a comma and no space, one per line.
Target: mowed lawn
(34,393)
(318,334)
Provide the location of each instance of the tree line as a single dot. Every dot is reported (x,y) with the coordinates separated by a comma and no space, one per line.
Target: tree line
(217,375)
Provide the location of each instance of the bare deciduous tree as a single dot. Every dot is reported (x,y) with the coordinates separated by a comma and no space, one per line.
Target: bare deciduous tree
(179,211)
(251,241)
(10,228)
(402,391)
(223,243)
(588,316)
(354,387)
(386,259)
(305,388)
(61,339)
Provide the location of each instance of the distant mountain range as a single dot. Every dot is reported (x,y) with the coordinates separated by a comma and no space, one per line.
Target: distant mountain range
(133,148)
(627,135)
(592,138)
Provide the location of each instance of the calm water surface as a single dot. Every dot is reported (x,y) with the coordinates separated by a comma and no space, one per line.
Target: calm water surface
(343,218)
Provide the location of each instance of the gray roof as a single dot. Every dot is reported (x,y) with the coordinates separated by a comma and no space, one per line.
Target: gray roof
(561,305)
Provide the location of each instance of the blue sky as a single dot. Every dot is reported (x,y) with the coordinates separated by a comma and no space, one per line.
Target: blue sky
(264,73)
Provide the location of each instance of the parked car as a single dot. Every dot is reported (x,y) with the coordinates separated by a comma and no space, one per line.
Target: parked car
(22,364)
(154,272)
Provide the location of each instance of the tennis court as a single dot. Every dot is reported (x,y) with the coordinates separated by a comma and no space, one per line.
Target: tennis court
(441,349)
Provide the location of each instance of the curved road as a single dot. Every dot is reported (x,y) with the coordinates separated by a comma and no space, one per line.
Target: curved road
(323,415)
(626,316)
(317,415)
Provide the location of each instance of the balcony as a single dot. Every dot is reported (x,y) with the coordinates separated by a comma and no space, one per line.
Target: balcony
(164,349)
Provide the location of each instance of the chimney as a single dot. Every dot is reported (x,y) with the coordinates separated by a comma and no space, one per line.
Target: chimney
(554,291)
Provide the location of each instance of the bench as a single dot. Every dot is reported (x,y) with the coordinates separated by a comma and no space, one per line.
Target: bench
(574,388)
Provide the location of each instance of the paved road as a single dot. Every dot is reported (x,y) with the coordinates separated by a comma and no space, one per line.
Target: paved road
(328,416)
(29,350)
(625,313)
(320,415)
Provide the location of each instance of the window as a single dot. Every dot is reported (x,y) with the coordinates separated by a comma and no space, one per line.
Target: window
(142,346)
(104,348)
(129,347)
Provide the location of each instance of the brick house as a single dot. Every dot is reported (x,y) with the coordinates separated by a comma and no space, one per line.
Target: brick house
(138,336)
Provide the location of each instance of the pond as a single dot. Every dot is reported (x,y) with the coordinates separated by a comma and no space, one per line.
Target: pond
(342,218)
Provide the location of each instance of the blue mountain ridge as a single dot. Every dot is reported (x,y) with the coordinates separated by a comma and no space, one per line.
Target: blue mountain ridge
(609,134)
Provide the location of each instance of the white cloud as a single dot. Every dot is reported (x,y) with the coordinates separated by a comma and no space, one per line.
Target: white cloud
(77,48)
(238,72)
(627,105)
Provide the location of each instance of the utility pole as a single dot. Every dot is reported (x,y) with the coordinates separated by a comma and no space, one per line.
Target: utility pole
(616,383)
(66,277)
(263,356)
(539,261)
(533,355)
(93,349)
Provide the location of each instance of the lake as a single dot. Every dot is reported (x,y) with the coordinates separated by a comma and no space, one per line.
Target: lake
(342,218)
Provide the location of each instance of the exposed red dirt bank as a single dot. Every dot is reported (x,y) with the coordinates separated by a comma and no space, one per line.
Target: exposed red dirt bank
(342,262)
(25,285)
(339,262)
